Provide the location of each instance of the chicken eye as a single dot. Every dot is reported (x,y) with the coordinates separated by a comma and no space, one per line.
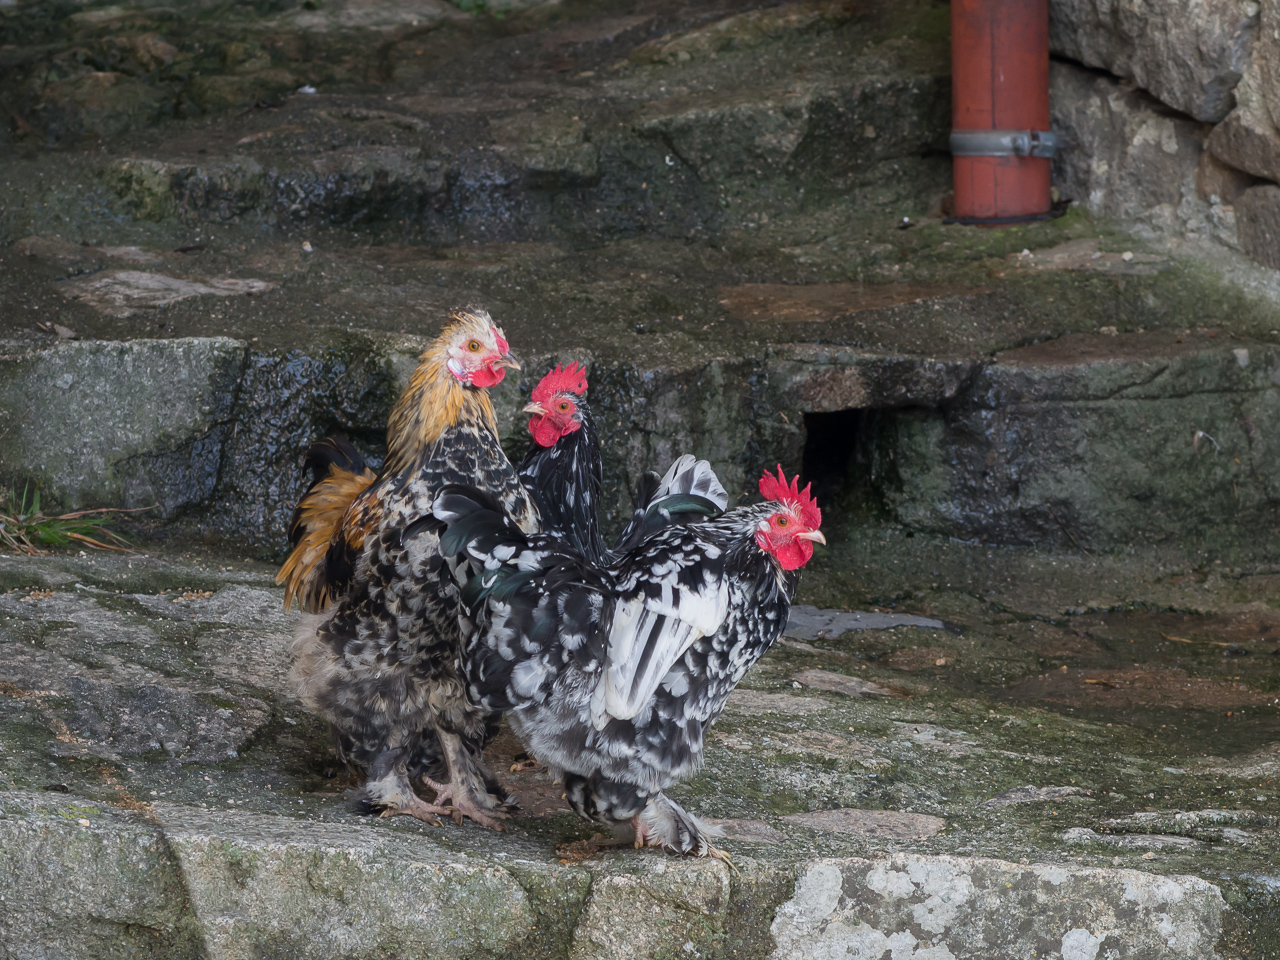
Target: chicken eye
(564,406)
(473,346)
(783,521)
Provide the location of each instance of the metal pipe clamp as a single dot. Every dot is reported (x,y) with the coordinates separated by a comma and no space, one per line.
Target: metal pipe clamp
(1003,143)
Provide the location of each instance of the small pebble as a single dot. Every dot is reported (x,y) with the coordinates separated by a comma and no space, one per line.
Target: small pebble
(307,89)
(306,246)
(1127,256)
(83,822)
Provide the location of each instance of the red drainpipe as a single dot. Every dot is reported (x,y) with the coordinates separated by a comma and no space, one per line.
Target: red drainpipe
(1000,138)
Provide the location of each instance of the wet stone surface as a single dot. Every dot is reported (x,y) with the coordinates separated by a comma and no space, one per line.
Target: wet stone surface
(1070,746)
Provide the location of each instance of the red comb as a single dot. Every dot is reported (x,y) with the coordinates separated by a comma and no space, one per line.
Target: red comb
(570,379)
(503,347)
(777,488)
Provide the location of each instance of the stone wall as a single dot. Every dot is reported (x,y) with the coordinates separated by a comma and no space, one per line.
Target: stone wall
(1169,109)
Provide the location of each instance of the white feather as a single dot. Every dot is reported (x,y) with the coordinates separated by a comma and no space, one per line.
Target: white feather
(695,477)
(663,628)
(527,676)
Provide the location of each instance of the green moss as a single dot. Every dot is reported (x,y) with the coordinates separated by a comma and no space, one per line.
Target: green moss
(145,186)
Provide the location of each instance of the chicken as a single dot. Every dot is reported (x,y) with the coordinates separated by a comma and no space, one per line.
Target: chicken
(563,474)
(376,653)
(562,470)
(613,674)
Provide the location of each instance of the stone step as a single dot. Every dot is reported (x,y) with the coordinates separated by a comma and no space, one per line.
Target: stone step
(165,796)
(91,880)
(1088,440)
(671,123)
(582,164)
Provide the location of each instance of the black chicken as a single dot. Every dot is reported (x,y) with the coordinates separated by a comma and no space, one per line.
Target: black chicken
(563,474)
(562,470)
(614,673)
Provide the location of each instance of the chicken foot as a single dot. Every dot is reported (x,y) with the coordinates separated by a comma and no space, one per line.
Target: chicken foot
(415,806)
(387,790)
(664,823)
(466,788)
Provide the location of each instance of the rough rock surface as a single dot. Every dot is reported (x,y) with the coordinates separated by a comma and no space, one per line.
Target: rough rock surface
(1248,138)
(1007,800)
(1130,157)
(1258,219)
(1190,55)
(129,424)
(940,907)
(1044,423)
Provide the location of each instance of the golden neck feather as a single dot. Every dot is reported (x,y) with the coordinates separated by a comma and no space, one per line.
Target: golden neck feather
(433,402)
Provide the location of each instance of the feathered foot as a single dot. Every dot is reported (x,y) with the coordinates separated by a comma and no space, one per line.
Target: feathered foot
(464,805)
(388,792)
(664,823)
(466,788)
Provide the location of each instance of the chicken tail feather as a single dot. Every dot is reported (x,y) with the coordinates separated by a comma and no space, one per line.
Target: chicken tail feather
(338,477)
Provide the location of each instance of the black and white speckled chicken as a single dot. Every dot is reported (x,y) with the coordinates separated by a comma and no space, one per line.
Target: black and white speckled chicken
(613,674)
(376,654)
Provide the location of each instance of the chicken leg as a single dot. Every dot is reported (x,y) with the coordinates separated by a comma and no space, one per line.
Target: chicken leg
(466,789)
(387,789)
(664,823)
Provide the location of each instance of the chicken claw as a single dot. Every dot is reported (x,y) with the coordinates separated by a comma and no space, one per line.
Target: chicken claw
(524,762)
(465,806)
(419,809)
(665,824)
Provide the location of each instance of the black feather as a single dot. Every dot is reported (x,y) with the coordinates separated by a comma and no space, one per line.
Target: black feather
(566,481)
(332,452)
(340,563)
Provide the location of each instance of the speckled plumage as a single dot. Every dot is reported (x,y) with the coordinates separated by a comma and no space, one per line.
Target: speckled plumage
(612,674)
(380,663)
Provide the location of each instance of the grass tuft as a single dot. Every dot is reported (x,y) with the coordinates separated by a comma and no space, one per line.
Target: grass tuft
(25,528)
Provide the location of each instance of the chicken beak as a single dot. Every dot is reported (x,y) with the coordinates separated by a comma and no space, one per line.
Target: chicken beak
(814,535)
(537,409)
(508,361)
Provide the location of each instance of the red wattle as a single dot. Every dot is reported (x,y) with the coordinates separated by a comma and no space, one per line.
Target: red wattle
(488,376)
(790,555)
(545,432)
